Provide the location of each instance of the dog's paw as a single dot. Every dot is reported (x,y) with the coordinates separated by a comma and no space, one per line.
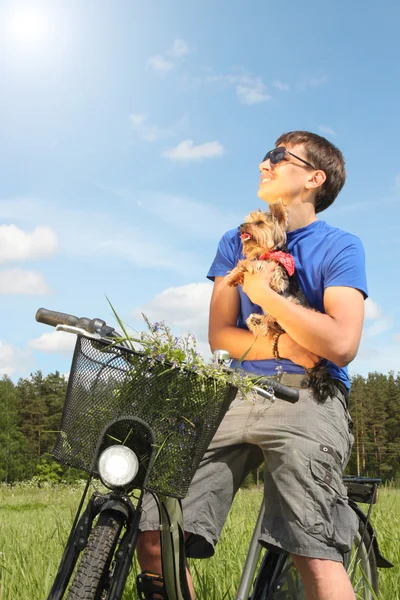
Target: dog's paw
(234,278)
(258,324)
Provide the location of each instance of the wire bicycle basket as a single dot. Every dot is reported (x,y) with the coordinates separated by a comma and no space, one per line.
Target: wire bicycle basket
(169,413)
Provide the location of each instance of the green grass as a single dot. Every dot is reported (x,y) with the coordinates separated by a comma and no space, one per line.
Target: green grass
(34,525)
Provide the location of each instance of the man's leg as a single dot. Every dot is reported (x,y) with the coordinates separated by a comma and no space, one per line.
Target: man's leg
(221,471)
(306,446)
(149,556)
(324,579)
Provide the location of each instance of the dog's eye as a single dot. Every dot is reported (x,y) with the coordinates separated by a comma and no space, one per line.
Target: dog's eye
(259,223)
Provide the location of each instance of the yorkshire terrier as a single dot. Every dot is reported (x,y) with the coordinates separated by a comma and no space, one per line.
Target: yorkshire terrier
(263,236)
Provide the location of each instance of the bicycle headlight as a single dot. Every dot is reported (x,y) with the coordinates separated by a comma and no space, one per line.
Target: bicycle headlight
(118,466)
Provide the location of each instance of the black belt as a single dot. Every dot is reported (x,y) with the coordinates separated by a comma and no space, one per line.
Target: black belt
(300,381)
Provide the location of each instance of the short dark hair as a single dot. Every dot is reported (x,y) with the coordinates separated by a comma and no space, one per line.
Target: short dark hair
(325,156)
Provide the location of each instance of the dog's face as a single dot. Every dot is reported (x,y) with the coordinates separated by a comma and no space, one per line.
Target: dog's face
(262,232)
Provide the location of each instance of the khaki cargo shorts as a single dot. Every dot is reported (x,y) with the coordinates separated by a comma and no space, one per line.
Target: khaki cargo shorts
(305,446)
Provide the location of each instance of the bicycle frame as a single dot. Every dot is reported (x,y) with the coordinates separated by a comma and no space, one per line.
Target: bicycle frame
(173,557)
(360,489)
(252,559)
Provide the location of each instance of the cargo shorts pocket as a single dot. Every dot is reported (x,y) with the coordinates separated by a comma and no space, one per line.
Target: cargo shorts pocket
(328,516)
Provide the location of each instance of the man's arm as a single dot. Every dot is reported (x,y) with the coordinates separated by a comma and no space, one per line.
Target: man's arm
(334,335)
(225,335)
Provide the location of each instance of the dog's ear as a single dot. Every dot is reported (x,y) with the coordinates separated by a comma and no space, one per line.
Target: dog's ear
(278,210)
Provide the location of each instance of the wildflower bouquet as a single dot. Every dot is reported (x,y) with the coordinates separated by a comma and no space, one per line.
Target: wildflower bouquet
(161,346)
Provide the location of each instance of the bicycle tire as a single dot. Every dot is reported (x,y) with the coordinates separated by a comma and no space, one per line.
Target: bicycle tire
(286,581)
(91,574)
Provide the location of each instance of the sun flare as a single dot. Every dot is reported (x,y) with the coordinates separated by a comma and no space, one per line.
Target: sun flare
(28,27)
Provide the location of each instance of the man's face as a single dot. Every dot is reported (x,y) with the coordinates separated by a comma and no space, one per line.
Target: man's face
(287,179)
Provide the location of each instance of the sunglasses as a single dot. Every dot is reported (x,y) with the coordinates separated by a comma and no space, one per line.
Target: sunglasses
(277,155)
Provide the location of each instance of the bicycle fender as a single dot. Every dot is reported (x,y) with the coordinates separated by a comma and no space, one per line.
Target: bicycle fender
(381,561)
(116,506)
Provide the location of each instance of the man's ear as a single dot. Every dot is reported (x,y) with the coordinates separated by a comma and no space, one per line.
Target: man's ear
(316,179)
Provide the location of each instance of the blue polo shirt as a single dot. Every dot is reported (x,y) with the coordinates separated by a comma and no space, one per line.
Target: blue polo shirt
(324,256)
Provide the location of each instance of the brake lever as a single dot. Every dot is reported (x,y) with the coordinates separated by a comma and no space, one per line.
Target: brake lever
(261,392)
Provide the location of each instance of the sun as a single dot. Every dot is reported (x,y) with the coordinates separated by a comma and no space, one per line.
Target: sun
(28,27)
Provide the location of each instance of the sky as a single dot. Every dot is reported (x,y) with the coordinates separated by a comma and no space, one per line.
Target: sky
(130,138)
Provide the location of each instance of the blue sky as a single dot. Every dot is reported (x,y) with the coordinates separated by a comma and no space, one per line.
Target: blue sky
(131,134)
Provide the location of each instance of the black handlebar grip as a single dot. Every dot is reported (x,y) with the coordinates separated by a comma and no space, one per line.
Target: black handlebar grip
(54,318)
(281,391)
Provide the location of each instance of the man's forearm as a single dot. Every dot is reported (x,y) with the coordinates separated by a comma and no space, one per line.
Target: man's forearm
(238,341)
(317,332)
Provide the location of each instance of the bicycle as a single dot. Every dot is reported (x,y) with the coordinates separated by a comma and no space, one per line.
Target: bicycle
(134,424)
(108,425)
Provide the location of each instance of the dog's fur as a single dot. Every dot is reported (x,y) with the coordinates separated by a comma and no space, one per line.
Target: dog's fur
(266,232)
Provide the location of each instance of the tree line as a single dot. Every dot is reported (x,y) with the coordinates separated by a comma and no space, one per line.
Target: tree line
(30,414)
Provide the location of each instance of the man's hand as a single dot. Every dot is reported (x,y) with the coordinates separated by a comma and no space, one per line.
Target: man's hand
(257,285)
(288,348)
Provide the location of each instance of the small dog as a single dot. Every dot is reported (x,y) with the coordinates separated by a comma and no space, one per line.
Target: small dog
(263,236)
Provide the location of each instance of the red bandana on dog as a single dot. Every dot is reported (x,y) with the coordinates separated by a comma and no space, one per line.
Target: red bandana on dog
(284,258)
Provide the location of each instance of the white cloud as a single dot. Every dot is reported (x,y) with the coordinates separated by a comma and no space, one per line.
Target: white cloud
(21,281)
(183,308)
(16,244)
(187,151)
(379,326)
(138,119)
(160,64)
(397,183)
(12,359)
(149,132)
(54,341)
(381,322)
(180,48)
(327,130)
(252,93)
(381,358)
(316,81)
(250,88)
(310,82)
(373,355)
(146,254)
(279,85)
(116,235)
(198,220)
(372,310)
(165,63)
(146,131)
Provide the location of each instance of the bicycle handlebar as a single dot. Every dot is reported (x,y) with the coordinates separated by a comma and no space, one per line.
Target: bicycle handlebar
(54,318)
(283,392)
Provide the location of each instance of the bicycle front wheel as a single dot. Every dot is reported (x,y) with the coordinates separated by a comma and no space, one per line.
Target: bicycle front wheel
(91,577)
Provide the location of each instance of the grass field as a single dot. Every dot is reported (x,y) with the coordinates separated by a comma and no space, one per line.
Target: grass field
(34,525)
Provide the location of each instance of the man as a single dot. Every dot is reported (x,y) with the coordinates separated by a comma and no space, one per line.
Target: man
(306,445)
